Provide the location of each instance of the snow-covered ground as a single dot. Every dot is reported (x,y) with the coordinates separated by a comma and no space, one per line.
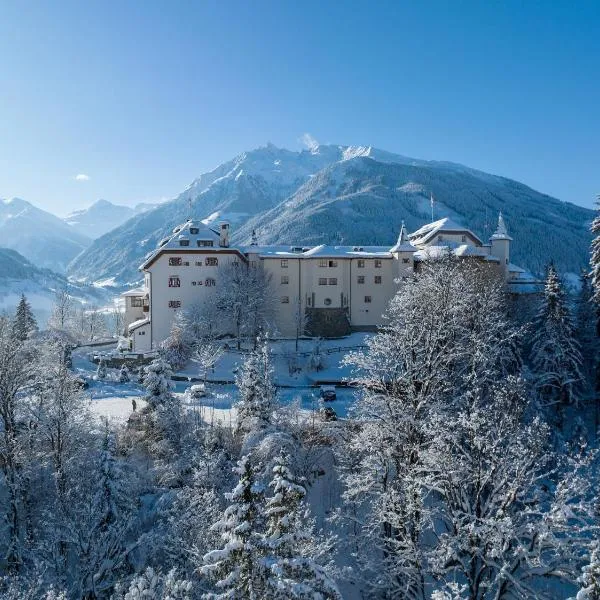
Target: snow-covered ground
(114,400)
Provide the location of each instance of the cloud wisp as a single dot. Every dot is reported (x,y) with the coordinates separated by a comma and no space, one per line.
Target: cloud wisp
(81,177)
(309,141)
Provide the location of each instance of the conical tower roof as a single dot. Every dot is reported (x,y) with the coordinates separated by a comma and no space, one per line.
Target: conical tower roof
(403,244)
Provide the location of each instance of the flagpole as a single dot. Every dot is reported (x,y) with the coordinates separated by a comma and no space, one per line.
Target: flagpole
(432,208)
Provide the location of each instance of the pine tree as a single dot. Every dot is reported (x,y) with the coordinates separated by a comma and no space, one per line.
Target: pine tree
(124,375)
(555,353)
(290,542)
(24,322)
(590,579)
(101,370)
(157,381)
(151,585)
(257,391)
(239,569)
(585,324)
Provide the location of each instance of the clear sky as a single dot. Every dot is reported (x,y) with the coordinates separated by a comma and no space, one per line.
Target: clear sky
(139,98)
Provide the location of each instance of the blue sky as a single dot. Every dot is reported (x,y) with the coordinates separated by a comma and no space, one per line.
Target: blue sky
(142,97)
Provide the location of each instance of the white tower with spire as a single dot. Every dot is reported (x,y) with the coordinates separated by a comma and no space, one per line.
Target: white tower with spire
(500,244)
(403,251)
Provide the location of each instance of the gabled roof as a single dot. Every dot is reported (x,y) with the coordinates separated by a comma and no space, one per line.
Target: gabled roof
(183,232)
(427,232)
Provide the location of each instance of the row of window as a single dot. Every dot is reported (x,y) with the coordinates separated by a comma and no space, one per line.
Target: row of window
(323,262)
(325,281)
(200,243)
(177,261)
(327,301)
(175,282)
(378,279)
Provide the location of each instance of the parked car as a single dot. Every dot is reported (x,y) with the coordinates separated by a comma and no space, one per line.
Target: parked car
(328,393)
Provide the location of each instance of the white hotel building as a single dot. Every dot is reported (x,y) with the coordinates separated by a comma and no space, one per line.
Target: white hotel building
(340,288)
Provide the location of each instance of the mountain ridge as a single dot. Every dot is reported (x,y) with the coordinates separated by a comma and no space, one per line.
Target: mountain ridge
(358,194)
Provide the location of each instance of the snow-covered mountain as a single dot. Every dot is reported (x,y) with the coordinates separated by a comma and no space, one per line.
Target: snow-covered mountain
(103,216)
(355,194)
(19,276)
(44,239)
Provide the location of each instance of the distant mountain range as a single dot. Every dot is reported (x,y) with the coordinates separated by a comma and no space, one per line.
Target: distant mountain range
(44,239)
(103,216)
(19,276)
(346,194)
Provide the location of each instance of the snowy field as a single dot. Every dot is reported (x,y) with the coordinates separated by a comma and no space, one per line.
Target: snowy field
(114,400)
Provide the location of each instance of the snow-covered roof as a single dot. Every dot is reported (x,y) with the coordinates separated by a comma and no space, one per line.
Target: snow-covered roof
(515,269)
(136,292)
(194,232)
(501,232)
(323,251)
(138,323)
(403,244)
(427,232)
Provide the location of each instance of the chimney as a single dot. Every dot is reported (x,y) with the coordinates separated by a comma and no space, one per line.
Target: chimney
(224,235)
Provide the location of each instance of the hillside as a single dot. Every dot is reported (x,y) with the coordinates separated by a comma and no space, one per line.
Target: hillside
(353,194)
(19,276)
(103,216)
(42,238)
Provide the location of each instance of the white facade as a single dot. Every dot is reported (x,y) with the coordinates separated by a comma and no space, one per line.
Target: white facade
(351,283)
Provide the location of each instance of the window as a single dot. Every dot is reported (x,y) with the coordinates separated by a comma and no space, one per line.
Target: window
(377,263)
(285,299)
(333,263)
(198,263)
(440,238)
(322,280)
(141,333)
(253,263)
(186,264)
(333,281)
(174,281)
(406,260)
(377,278)
(137,302)
(463,238)
(284,263)
(361,263)
(360,279)
(194,230)
(175,261)
(285,280)
(210,282)
(204,243)
(211,261)
(174,303)
(184,242)
(194,283)
(327,301)
(367,299)
(323,262)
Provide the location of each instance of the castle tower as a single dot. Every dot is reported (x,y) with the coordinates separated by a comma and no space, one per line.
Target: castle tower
(500,244)
(403,252)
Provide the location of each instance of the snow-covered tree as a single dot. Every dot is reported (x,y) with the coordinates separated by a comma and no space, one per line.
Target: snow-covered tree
(595,264)
(178,347)
(152,585)
(101,370)
(256,390)
(15,374)
(291,544)
(124,376)
(590,578)
(585,327)
(245,299)
(239,569)
(207,355)
(444,331)
(157,381)
(555,353)
(62,311)
(24,323)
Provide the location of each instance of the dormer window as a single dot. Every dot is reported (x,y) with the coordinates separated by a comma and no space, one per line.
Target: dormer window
(184,242)
(204,243)
(194,230)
